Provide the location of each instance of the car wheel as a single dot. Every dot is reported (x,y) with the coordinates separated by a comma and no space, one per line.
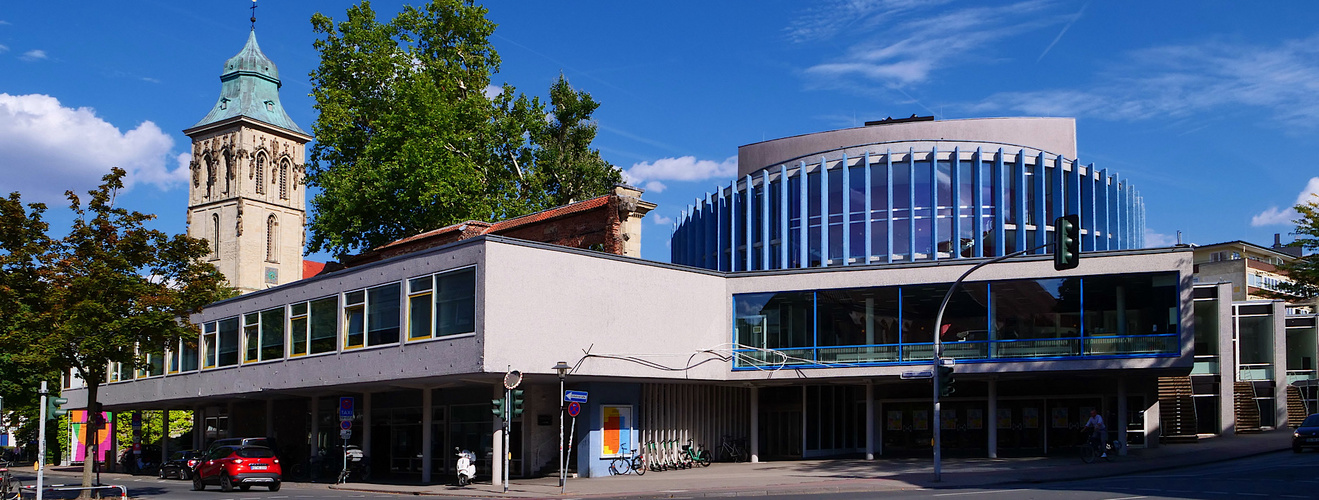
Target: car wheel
(197,484)
(274,486)
(226,484)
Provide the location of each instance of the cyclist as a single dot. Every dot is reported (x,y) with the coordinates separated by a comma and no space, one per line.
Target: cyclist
(1098,432)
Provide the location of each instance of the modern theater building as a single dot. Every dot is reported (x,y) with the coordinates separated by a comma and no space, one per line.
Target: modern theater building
(797,296)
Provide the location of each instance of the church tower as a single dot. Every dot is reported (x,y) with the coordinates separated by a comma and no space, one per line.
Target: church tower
(246,195)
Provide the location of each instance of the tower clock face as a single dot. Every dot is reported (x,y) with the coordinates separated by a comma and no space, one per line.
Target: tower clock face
(272,275)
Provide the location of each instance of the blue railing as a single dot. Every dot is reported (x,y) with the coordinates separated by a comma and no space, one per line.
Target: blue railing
(986,350)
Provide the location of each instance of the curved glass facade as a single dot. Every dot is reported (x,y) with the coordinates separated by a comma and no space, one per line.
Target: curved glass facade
(903,207)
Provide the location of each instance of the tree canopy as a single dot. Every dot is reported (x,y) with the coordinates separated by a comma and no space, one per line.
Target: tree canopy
(411,135)
(1304,271)
(110,291)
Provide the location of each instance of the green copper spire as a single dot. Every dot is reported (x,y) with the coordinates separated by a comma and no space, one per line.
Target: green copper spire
(249,87)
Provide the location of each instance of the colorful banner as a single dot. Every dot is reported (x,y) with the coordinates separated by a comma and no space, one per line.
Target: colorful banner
(1059,420)
(948,419)
(1030,418)
(1004,418)
(920,420)
(617,431)
(894,420)
(975,419)
(78,434)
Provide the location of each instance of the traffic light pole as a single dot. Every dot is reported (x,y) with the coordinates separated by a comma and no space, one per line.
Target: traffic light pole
(508,427)
(938,352)
(41,443)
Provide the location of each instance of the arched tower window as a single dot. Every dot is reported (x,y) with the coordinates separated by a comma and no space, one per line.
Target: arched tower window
(210,175)
(261,173)
(284,180)
(215,236)
(272,239)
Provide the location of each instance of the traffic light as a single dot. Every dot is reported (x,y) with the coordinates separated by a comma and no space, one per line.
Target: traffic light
(946,381)
(1066,242)
(497,407)
(53,410)
(516,408)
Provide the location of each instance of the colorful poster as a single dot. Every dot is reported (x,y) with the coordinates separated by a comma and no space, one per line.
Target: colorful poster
(894,420)
(948,419)
(975,419)
(617,431)
(1030,418)
(1004,418)
(1059,420)
(78,433)
(920,420)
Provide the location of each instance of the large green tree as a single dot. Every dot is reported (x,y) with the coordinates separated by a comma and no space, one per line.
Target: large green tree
(23,241)
(1304,271)
(412,136)
(113,292)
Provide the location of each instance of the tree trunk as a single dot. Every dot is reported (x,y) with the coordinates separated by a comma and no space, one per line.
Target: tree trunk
(89,446)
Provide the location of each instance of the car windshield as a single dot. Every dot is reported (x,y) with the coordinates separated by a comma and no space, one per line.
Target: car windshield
(1311,421)
(256,452)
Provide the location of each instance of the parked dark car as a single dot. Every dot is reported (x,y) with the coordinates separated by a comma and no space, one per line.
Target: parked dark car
(1307,435)
(180,464)
(238,466)
(145,462)
(267,442)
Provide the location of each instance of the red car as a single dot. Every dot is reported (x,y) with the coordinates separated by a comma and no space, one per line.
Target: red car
(241,466)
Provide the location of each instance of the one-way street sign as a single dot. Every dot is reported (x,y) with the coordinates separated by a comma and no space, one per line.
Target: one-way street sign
(574,396)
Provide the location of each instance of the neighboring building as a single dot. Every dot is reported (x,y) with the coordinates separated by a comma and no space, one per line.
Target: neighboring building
(1250,268)
(247,197)
(804,362)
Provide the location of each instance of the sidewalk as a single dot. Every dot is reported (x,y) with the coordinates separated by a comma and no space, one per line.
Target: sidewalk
(830,476)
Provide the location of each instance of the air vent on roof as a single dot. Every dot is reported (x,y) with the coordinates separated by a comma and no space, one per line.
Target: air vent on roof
(891,120)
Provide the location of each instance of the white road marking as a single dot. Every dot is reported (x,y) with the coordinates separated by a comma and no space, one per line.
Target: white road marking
(1124,498)
(974,493)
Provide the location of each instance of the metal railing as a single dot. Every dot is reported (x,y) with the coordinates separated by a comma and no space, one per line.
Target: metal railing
(898,354)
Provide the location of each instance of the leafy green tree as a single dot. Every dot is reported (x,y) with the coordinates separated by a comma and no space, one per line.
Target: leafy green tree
(408,139)
(1304,271)
(180,423)
(115,291)
(23,241)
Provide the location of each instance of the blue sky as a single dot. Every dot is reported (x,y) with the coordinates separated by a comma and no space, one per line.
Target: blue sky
(1209,107)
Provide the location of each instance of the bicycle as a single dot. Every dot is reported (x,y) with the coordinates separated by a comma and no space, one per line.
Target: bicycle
(696,454)
(621,465)
(1091,449)
(732,450)
(9,486)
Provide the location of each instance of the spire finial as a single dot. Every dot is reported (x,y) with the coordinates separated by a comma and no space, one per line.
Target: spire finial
(253,15)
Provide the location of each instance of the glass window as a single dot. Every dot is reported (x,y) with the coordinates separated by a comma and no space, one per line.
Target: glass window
(774,320)
(1136,304)
(382,314)
(1036,309)
(419,307)
(298,329)
(455,302)
(355,319)
(858,316)
(228,342)
(272,334)
(251,337)
(324,313)
(209,344)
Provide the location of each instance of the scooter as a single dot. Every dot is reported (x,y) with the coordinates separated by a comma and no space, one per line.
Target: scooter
(466,467)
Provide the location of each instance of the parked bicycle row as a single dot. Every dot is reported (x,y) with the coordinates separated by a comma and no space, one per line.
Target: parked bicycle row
(673,454)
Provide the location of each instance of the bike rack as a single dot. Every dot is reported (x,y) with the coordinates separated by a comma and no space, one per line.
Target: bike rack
(32,490)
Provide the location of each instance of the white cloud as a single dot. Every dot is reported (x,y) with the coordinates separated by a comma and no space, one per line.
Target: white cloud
(686,168)
(46,148)
(655,187)
(661,220)
(1277,216)
(1158,240)
(1181,80)
(493,91)
(3,48)
(899,42)
(33,55)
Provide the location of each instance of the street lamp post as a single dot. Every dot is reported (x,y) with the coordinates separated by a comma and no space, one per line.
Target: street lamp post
(562,368)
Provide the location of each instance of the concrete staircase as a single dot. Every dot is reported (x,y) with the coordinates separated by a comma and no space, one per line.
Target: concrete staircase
(1296,410)
(1247,409)
(1177,410)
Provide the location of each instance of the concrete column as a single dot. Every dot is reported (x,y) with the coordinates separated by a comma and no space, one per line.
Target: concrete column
(366,424)
(313,444)
(754,438)
(496,458)
(870,420)
(427,418)
(164,435)
(1120,423)
(991,419)
(1279,315)
(1227,364)
(228,421)
(270,419)
(1153,427)
(198,427)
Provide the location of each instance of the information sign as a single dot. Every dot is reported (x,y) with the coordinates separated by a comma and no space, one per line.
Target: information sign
(574,396)
(345,434)
(907,375)
(346,408)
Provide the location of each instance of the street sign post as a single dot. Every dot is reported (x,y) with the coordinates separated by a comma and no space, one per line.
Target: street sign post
(916,374)
(574,408)
(345,434)
(346,408)
(574,396)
